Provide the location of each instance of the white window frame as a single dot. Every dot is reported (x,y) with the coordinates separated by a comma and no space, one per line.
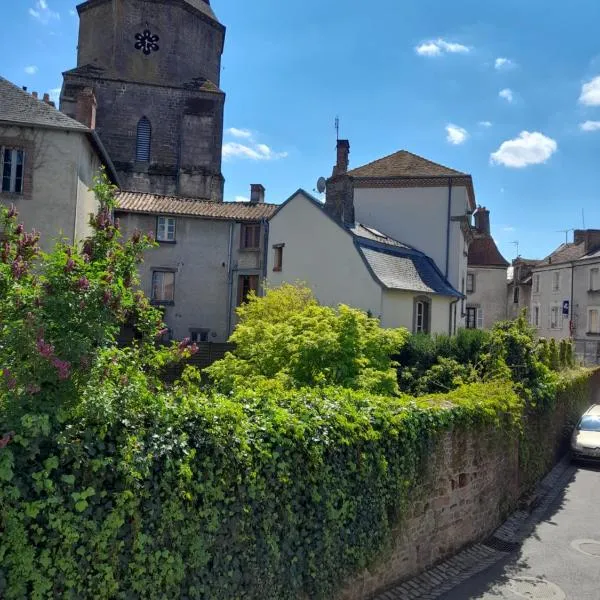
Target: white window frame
(420,325)
(471,288)
(165,229)
(161,298)
(12,178)
(559,319)
(596,287)
(556,281)
(536,283)
(591,309)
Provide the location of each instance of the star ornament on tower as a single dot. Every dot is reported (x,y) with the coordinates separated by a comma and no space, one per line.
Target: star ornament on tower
(146,42)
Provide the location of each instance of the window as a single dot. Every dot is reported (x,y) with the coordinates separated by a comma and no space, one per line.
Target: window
(516,294)
(246,284)
(12,163)
(199,335)
(278,257)
(471,317)
(555,317)
(165,229)
(593,320)
(470,283)
(163,287)
(535,316)
(594,279)
(422,315)
(250,236)
(536,284)
(143,142)
(556,281)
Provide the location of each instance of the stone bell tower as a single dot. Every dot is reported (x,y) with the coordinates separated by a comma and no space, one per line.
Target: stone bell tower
(154,68)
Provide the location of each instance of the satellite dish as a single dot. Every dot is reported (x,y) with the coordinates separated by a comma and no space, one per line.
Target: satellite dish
(321,184)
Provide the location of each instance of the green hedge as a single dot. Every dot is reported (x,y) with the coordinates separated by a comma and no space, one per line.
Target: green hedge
(269,495)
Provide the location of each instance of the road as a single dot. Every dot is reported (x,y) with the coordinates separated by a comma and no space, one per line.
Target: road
(559,561)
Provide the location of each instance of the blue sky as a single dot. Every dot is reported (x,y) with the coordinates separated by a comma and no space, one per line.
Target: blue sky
(505,91)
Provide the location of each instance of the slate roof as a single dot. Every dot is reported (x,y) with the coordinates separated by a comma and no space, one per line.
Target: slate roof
(404,164)
(483,252)
(154,204)
(20,107)
(370,233)
(564,253)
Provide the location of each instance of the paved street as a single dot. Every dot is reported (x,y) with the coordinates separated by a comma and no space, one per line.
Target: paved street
(559,561)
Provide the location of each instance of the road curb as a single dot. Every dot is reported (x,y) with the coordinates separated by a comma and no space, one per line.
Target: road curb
(476,558)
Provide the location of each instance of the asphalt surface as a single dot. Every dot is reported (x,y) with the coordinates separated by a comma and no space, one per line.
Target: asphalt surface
(559,561)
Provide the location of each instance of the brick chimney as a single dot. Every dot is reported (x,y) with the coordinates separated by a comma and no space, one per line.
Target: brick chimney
(257,193)
(343,157)
(339,192)
(482,220)
(34,94)
(589,237)
(85,111)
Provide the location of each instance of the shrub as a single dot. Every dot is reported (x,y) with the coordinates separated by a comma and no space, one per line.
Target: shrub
(287,336)
(554,355)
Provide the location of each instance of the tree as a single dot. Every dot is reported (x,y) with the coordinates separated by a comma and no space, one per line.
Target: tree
(288,337)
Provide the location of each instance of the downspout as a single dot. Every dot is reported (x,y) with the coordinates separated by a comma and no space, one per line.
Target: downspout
(229,277)
(448,227)
(571,306)
(265,251)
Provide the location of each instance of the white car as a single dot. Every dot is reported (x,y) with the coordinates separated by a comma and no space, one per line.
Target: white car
(585,443)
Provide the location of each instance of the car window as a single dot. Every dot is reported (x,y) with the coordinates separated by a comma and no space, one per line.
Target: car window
(589,423)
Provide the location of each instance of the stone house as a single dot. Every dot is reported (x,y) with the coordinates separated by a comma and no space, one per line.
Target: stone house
(210,256)
(351,262)
(486,277)
(424,204)
(518,290)
(48,162)
(565,297)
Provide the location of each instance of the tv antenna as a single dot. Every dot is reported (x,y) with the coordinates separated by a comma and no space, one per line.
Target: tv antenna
(566,232)
(517,246)
(337,129)
(583,217)
(321,184)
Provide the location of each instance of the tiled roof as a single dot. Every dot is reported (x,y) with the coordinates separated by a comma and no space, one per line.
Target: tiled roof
(564,253)
(364,231)
(17,106)
(483,252)
(138,202)
(404,164)
(406,270)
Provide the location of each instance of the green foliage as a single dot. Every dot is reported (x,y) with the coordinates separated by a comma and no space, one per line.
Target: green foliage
(543,351)
(288,337)
(553,355)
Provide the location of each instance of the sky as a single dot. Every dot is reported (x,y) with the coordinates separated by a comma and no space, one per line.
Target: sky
(508,91)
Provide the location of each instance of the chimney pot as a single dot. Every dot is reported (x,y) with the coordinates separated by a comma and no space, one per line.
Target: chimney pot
(589,237)
(482,220)
(257,193)
(85,111)
(34,94)
(46,98)
(343,157)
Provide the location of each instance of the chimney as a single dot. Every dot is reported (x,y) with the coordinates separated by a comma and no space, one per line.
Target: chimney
(47,98)
(343,155)
(34,94)
(257,193)
(482,220)
(339,192)
(589,237)
(24,88)
(85,111)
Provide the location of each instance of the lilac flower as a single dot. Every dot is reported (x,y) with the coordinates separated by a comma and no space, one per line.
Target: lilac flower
(70,265)
(12,212)
(106,297)
(19,230)
(63,368)
(44,348)
(33,388)
(18,268)
(9,378)
(83,284)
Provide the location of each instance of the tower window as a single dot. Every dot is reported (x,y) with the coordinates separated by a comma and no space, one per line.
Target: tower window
(144,135)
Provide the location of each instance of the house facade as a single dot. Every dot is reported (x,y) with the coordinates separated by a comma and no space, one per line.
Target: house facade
(519,288)
(348,262)
(565,296)
(48,162)
(424,204)
(486,277)
(210,256)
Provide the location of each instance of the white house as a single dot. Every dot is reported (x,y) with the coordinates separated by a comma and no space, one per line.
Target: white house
(486,277)
(345,261)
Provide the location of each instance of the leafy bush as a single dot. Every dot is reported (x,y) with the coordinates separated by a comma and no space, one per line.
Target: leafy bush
(287,336)
(554,355)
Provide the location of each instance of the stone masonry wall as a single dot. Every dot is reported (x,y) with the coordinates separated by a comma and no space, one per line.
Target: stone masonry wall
(470,484)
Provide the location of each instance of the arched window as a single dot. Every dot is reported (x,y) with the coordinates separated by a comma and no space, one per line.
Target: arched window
(144,135)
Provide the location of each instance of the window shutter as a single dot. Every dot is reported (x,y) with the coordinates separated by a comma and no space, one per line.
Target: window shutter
(480,318)
(142,148)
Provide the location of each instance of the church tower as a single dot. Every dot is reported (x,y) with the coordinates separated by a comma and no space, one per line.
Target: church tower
(154,69)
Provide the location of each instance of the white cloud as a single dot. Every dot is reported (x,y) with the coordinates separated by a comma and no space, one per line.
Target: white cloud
(440,46)
(31,70)
(590,92)
(527,149)
(239,133)
(507,94)
(509,229)
(241,199)
(73,12)
(503,63)
(43,13)
(254,152)
(456,135)
(485,123)
(589,126)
